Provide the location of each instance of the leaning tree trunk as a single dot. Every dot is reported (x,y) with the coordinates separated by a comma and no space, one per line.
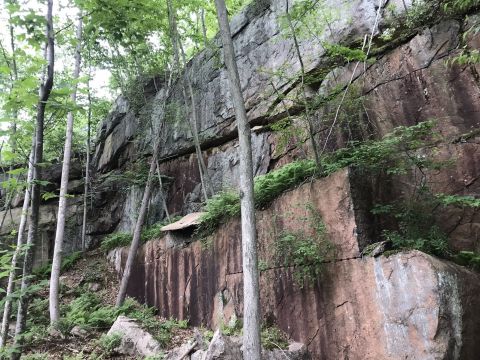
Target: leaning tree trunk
(132,253)
(18,251)
(44,94)
(62,205)
(251,310)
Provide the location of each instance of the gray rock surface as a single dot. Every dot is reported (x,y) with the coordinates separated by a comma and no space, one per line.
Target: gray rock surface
(222,347)
(135,340)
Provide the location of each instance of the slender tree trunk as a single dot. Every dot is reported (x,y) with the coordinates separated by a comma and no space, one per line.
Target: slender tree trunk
(160,184)
(311,131)
(62,205)
(186,83)
(251,297)
(204,28)
(87,167)
(18,252)
(44,94)
(15,77)
(132,253)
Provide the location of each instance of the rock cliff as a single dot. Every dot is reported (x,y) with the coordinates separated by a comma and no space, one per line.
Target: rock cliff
(407,305)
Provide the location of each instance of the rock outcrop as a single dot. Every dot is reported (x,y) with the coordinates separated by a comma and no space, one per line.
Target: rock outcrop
(134,340)
(409,83)
(230,348)
(407,305)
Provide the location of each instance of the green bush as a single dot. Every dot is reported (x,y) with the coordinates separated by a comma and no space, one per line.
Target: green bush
(468,258)
(418,228)
(307,254)
(394,154)
(273,338)
(115,240)
(121,239)
(108,343)
(87,311)
(267,187)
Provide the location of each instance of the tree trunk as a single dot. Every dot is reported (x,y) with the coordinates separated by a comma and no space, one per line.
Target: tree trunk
(18,251)
(204,28)
(193,123)
(62,204)
(44,94)
(132,253)
(251,298)
(87,167)
(311,131)
(160,184)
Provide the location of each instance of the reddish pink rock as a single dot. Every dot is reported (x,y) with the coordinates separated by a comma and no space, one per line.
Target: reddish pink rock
(408,305)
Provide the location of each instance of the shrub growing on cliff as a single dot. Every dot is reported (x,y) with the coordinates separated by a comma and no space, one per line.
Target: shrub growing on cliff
(267,187)
(121,239)
(305,250)
(418,228)
(394,154)
(115,240)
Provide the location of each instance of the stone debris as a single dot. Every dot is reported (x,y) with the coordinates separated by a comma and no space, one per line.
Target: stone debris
(230,348)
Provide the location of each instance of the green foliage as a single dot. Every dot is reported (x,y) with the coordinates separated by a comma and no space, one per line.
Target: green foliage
(115,240)
(267,187)
(344,53)
(234,328)
(219,208)
(468,258)
(305,250)
(121,239)
(417,228)
(417,224)
(108,343)
(273,338)
(394,154)
(467,57)
(425,12)
(68,261)
(162,332)
(88,312)
(458,200)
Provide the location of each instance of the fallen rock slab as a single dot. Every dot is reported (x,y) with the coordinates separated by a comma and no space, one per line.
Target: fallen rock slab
(135,340)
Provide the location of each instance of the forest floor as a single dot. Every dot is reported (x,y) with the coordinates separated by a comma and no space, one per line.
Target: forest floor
(94,275)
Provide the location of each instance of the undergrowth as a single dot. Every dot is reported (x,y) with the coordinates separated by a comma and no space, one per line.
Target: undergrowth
(267,187)
(273,338)
(68,261)
(88,312)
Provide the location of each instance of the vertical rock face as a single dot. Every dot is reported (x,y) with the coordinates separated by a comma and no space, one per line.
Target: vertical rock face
(408,305)
(409,83)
